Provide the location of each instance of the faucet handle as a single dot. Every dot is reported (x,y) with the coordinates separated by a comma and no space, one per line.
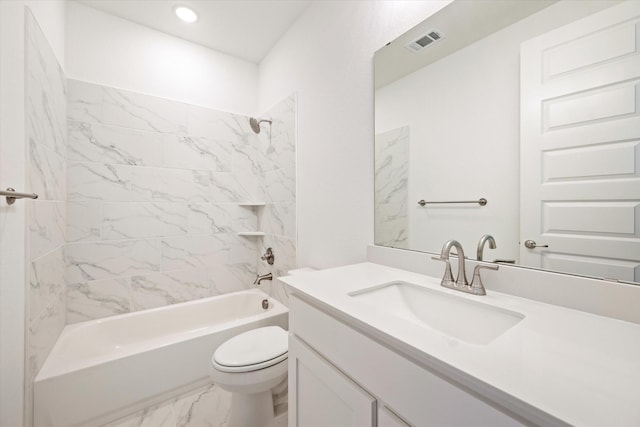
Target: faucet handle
(268,256)
(448,275)
(477,287)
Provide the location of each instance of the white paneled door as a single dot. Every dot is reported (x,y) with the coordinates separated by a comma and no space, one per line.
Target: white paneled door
(580,146)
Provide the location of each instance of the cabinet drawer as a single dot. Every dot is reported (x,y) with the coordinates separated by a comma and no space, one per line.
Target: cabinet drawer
(421,397)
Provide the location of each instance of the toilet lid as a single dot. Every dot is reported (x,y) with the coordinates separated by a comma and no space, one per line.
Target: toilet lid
(251,350)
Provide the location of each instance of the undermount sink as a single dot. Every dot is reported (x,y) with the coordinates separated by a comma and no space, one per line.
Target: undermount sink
(469,321)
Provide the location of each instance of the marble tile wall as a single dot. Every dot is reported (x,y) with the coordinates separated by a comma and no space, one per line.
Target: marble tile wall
(278,217)
(391,225)
(155,200)
(46,217)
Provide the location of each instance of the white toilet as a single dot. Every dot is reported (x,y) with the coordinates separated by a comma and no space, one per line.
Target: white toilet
(249,365)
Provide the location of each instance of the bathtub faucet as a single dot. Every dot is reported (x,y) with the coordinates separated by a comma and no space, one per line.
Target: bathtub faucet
(260,278)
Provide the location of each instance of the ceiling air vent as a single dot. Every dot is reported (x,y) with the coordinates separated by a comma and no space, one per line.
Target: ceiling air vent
(425,40)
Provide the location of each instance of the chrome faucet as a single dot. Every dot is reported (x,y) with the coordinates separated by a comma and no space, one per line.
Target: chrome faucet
(461,278)
(260,278)
(484,239)
(460,284)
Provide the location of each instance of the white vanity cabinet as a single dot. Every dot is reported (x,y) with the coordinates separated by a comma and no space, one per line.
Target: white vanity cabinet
(339,376)
(386,418)
(324,395)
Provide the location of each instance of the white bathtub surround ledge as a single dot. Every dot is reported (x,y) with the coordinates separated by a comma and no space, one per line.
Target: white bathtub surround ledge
(557,366)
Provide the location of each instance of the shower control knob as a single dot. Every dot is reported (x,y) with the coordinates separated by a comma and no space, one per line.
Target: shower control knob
(268,256)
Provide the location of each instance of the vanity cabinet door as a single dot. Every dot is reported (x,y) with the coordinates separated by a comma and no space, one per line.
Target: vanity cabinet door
(320,395)
(387,419)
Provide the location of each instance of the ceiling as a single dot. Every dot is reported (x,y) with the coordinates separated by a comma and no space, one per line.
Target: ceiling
(461,22)
(246,29)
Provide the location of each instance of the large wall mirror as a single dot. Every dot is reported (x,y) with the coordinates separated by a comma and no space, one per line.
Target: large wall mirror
(531,105)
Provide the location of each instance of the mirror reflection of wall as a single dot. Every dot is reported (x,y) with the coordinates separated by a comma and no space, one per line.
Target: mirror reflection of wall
(391,188)
(464,113)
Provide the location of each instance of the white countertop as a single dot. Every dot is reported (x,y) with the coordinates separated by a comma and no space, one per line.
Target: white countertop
(577,368)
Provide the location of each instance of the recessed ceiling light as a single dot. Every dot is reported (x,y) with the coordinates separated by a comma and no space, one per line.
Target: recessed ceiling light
(186,14)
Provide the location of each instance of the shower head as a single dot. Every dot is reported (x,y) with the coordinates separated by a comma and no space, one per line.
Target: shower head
(255,124)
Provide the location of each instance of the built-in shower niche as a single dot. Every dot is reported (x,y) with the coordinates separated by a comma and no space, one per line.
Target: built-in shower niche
(258,209)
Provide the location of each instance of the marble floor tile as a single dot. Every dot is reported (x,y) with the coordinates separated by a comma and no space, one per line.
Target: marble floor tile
(203,407)
(155,416)
(206,407)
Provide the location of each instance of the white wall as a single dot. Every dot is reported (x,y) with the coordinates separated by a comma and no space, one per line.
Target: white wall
(110,51)
(327,58)
(51,17)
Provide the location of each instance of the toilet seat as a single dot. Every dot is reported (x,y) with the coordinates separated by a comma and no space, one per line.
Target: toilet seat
(252,350)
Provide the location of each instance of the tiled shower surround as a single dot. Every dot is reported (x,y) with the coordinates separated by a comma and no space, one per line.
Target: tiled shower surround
(140,202)
(45,104)
(157,192)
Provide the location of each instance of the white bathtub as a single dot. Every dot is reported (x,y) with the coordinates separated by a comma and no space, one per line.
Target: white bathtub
(104,369)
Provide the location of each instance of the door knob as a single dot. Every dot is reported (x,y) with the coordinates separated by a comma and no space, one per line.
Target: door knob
(531,244)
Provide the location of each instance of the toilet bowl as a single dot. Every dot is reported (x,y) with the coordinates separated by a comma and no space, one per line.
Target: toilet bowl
(249,365)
